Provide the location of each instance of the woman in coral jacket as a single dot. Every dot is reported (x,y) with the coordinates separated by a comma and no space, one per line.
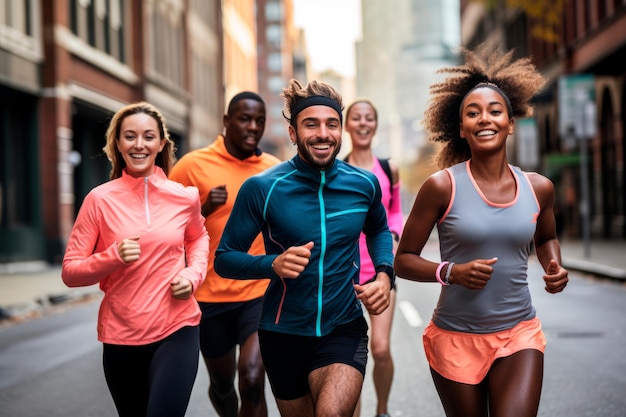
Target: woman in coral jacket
(142,238)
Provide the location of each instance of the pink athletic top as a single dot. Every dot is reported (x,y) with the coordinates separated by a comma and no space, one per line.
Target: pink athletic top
(138,307)
(395,220)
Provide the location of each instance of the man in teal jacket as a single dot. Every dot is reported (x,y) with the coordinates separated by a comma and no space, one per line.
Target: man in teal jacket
(311,210)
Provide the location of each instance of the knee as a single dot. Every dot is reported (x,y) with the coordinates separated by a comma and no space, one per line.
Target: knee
(252,381)
(381,352)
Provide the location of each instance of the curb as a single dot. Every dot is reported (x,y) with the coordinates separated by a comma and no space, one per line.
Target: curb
(41,306)
(594,268)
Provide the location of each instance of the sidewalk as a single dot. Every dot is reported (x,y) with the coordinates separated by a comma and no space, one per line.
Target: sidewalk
(607,259)
(29,293)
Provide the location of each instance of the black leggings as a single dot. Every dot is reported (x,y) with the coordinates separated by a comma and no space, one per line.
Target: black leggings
(155,379)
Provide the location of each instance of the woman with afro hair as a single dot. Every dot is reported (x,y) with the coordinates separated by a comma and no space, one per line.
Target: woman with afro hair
(484,343)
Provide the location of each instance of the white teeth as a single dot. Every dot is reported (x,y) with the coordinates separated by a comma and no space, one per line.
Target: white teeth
(138,156)
(321,147)
(486,133)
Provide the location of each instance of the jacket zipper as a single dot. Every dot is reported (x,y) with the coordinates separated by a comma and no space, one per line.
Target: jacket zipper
(145,199)
(320,292)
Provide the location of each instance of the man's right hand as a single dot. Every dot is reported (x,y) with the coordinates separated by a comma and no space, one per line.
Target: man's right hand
(217,197)
(292,262)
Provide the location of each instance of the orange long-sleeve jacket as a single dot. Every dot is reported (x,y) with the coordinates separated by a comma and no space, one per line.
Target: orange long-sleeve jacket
(207,168)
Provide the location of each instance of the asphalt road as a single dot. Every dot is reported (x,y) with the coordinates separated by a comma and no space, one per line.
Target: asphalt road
(52,366)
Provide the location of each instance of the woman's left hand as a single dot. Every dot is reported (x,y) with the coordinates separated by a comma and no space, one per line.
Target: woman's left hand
(181,288)
(555,277)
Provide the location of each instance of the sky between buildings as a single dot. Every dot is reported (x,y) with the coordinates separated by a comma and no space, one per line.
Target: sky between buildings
(332,27)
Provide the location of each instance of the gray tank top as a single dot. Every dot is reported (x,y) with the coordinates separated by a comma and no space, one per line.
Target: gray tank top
(475,228)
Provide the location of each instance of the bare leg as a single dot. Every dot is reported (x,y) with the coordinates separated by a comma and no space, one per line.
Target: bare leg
(357,410)
(252,379)
(515,384)
(512,388)
(461,400)
(221,386)
(335,390)
(301,407)
(381,353)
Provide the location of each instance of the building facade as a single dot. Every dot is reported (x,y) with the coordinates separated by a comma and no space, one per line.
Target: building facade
(240,46)
(68,65)
(276,66)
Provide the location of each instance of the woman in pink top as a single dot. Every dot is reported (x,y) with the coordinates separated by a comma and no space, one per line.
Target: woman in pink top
(361,124)
(141,237)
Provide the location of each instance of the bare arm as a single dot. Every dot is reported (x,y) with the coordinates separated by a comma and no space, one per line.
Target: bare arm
(547,245)
(430,204)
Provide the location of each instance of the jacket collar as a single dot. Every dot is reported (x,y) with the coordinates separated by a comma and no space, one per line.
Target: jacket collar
(310,170)
(157,179)
(220,147)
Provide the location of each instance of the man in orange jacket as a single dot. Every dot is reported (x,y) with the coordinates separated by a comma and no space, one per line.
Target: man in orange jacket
(230,308)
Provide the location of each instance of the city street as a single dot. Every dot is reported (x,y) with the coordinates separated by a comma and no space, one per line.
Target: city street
(52,366)
(97,95)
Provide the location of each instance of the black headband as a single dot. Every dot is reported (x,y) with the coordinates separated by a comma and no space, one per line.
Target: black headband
(494,87)
(314,101)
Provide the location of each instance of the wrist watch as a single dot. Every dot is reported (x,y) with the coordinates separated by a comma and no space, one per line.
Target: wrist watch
(388,269)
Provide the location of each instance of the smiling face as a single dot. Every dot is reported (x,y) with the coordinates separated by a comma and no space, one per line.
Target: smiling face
(317,134)
(485,121)
(139,144)
(361,124)
(244,128)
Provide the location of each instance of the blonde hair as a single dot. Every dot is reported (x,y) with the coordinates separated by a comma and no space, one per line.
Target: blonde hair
(165,159)
(364,101)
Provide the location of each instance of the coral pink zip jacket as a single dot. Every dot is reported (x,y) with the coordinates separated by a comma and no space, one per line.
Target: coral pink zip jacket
(138,307)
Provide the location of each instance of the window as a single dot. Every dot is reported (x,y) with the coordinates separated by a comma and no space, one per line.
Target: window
(275,84)
(273,11)
(274,35)
(99,23)
(16,15)
(274,61)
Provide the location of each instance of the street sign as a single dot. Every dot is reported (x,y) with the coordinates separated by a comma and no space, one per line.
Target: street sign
(577,124)
(576,108)
(527,143)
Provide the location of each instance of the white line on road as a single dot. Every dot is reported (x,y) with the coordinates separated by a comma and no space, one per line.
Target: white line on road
(410,313)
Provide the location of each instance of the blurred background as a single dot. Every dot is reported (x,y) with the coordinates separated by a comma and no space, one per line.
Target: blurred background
(67,65)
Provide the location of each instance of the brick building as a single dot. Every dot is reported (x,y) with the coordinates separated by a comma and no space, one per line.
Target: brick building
(65,67)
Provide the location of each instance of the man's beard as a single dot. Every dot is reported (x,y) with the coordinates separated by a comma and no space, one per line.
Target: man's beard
(317,163)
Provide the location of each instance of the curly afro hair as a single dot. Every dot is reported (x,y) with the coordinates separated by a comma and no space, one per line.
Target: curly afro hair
(518,79)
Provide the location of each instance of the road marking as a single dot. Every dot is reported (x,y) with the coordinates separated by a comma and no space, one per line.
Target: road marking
(410,313)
